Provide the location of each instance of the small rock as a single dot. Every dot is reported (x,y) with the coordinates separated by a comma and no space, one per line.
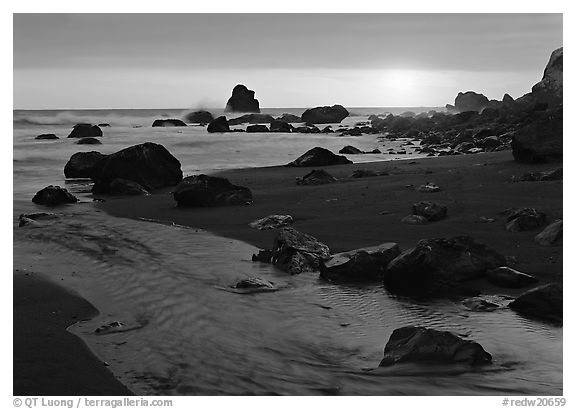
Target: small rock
(316,177)
(428,188)
(430,210)
(53,196)
(414,219)
(274,221)
(551,235)
(509,278)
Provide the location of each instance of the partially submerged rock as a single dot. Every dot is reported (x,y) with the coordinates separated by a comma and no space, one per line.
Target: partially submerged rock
(242,100)
(123,187)
(525,218)
(168,122)
(350,150)
(252,119)
(273,221)
(205,191)
(551,235)
(365,264)
(296,252)
(85,130)
(32,218)
(422,345)
(429,187)
(219,125)
(54,196)
(440,261)
(84,165)
(319,157)
(325,115)
(544,302)
(250,285)
(316,177)
(199,117)
(280,126)
(509,278)
(46,136)
(88,141)
(148,164)
(257,128)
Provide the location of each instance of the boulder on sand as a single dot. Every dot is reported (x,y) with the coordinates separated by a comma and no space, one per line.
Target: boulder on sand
(289,118)
(257,128)
(199,117)
(544,302)
(430,210)
(53,196)
(242,100)
(358,265)
(420,344)
(296,252)
(85,130)
(219,125)
(251,119)
(541,139)
(84,165)
(325,115)
(274,221)
(525,218)
(350,150)
(280,126)
(205,191)
(148,164)
(319,157)
(440,261)
(316,177)
(509,278)
(168,123)
(470,101)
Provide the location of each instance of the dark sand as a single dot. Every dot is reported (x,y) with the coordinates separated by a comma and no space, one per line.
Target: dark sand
(349,214)
(48,360)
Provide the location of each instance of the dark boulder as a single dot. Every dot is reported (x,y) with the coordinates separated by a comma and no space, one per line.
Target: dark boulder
(263,256)
(84,165)
(54,196)
(430,210)
(365,264)
(470,101)
(441,261)
(199,117)
(307,129)
(319,157)
(85,130)
(242,100)
(325,115)
(525,218)
(363,173)
(205,191)
(414,219)
(289,118)
(104,125)
(251,285)
(273,221)
(540,140)
(556,174)
(350,150)
(316,177)
(148,164)
(280,126)
(509,278)
(296,252)
(46,136)
(544,302)
(420,344)
(251,119)
(550,89)
(257,128)
(123,187)
(168,123)
(219,125)
(88,141)
(551,235)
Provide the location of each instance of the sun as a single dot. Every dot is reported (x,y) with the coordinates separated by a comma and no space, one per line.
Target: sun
(399,80)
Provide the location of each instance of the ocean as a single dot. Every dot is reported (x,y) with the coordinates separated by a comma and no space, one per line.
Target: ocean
(191,338)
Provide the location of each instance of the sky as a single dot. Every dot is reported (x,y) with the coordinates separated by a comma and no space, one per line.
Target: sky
(67,61)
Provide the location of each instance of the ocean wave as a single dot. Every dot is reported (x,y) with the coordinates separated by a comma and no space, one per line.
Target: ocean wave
(63,118)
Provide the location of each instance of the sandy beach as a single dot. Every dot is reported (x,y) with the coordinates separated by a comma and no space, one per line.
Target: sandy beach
(42,312)
(354,213)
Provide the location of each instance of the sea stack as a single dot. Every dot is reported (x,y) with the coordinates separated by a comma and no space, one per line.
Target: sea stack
(242,100)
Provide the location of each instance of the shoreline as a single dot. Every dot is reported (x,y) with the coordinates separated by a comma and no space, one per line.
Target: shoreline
(43,310)
(354,213)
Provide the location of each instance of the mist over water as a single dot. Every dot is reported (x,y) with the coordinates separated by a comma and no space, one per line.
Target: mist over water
(192,338)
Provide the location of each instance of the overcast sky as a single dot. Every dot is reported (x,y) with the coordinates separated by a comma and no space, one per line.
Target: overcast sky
(290,60)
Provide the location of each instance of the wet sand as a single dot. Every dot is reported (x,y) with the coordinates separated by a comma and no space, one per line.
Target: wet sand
(353,213)
(49,360)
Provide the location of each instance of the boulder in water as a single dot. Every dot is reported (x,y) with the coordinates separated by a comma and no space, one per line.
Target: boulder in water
(54,196)
(88,141)
(280,126)
(85,130)
(206,191)
(242,100)
(148,164)
(251,119)
(257,128)
(325,115)
(289,118)
(365,264)
(219,125)
(350,150)
(319,157)
(168,123)
(83,165)
(420,345)
(544,302)
(199,117)
(46,136)
(296,252)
